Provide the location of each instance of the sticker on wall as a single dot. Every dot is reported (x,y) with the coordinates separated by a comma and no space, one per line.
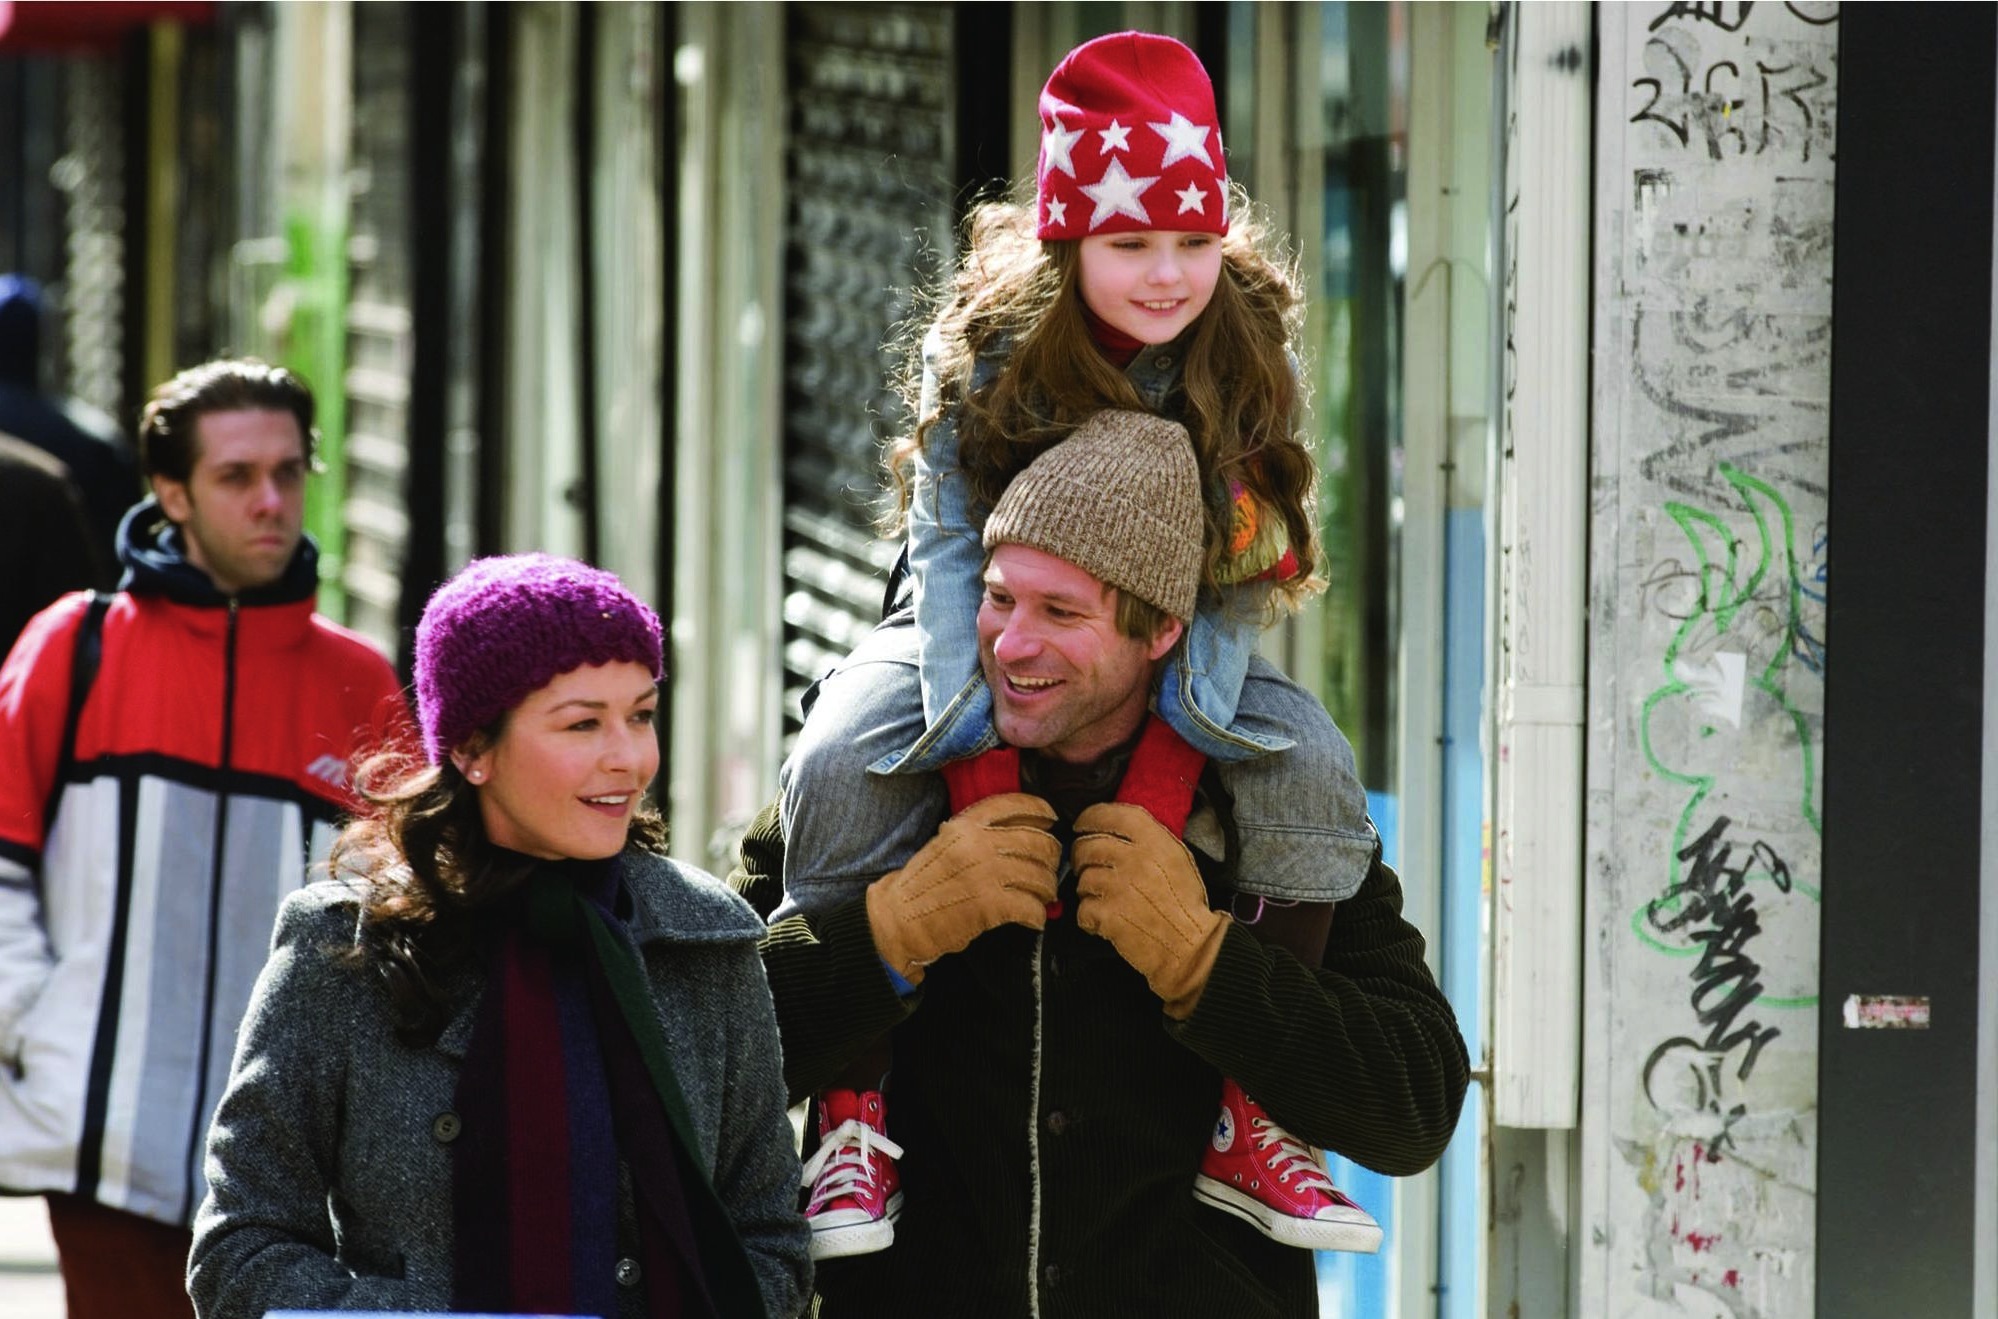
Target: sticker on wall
(1886,1012)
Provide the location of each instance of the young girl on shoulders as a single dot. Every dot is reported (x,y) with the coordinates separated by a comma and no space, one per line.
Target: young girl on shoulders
(1139,279)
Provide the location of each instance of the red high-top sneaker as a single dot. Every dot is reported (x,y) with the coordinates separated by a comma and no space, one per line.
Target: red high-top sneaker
(1257,1171)
(856,1191)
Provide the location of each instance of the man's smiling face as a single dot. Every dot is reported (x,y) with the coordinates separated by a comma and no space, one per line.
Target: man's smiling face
(1064,680)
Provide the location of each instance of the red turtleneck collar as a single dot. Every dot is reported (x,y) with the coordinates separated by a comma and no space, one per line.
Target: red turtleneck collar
(1119,347)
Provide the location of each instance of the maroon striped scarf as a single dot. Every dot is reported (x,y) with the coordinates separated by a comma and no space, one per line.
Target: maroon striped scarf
(567,1079)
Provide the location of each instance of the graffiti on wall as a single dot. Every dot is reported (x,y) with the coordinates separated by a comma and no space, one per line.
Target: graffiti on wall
(1729,727)
(1713,426)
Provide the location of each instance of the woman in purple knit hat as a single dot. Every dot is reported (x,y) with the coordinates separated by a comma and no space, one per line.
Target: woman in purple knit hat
(510,1058)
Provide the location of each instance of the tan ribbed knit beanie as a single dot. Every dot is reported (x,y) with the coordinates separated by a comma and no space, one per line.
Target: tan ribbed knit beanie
(1119,499)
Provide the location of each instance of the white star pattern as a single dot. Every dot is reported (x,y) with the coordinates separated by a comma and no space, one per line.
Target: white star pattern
(1116,193)
(1115,138)
(1184,140)
(1055,145)
(1191,198)
(1057,213)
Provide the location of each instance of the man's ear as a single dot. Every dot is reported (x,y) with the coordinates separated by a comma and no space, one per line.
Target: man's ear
(173,497)
(1165,639)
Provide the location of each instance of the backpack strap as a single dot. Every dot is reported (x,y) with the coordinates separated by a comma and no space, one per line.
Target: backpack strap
(987,774)
(1162,776)
(84,659)
(898,577)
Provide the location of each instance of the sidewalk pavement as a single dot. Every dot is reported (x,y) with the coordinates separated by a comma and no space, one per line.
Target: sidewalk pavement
(30,1287)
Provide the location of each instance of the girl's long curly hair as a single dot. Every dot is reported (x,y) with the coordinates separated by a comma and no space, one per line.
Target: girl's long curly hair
(1238,397)
(434,880)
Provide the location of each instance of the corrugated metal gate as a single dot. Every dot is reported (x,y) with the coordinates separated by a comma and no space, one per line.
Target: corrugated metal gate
(91,177)
(869,178)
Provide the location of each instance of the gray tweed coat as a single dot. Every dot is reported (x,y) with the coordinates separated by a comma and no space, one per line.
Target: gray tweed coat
(329,1174)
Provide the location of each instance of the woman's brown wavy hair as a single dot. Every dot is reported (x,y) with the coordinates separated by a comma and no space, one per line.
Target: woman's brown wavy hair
(1239,395)
(434,879)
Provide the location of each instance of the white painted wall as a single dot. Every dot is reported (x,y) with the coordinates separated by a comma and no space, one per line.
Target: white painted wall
(1541,570)
(1710,432)
(544,442)
(726,633)
(624,250)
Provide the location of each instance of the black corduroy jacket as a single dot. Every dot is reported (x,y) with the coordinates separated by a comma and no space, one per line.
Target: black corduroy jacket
(1053,1117)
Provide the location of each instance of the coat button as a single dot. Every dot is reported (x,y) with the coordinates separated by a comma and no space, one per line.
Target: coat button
(627,1272)
(1057,1122)
(1162,362)
(1051,1275)
(444,1128)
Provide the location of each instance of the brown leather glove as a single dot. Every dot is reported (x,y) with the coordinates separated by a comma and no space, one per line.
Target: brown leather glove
(991,864)
(1138,887)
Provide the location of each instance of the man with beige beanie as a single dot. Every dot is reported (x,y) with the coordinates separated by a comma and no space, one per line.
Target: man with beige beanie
(1105,528)
(1066,986)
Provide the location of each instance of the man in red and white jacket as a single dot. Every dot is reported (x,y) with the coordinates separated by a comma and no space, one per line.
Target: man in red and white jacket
(142,866)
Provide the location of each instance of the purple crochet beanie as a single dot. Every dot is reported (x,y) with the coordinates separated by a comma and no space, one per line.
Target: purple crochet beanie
(504,626)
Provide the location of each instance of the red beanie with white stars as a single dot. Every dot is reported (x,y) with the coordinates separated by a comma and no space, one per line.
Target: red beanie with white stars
(1130,140)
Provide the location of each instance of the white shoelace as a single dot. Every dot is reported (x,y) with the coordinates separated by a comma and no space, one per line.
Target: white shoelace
(843,1158)
(1291,1158)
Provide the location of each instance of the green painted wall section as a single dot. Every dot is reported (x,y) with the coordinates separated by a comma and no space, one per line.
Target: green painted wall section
(316,347)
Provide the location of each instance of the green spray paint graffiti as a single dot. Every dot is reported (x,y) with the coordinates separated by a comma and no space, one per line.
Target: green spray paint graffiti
(1727,663)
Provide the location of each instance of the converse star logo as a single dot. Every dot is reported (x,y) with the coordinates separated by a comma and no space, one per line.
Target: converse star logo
(1191,198)
(1057,213)
(1115,138)
(1224,1130)
(1056,142)
(1184,140)
(1116,193)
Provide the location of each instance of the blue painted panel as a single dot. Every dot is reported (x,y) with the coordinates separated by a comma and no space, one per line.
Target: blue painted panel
(1461,957)
(1356,1286)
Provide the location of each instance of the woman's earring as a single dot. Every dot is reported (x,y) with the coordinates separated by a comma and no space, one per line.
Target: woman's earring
(477,776)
